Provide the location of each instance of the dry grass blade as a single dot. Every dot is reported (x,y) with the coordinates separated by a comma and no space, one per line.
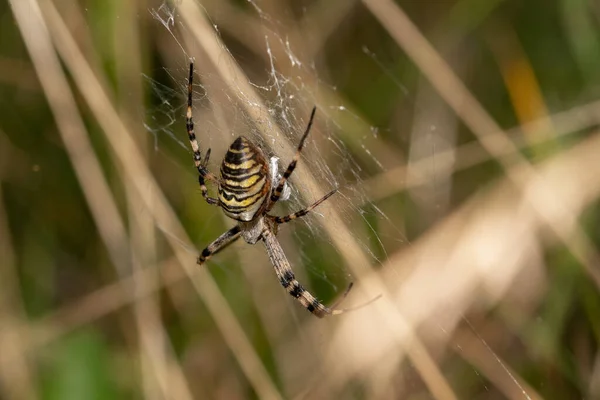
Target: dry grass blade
(471,154)
(481,124)
(72,129)
(473,257)
(111,298)
(16,375)
(85,162)
(477,352)
(161,374)
(136,172)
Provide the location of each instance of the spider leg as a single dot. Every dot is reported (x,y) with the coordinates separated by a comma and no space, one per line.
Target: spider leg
(206,158)
(288,280)
(200,165)
(302,213)
(277,191)
(219,244)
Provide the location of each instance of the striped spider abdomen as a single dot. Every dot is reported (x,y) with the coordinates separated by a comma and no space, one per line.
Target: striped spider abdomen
(245,182)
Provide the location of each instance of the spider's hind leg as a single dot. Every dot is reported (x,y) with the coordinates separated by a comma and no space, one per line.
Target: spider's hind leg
(219,244)
(286,276)
(288,280)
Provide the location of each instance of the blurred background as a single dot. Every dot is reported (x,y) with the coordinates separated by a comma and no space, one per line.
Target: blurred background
(462,135)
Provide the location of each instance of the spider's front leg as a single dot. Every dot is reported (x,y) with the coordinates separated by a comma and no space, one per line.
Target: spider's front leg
(303,212)
(204,173)
(276,194)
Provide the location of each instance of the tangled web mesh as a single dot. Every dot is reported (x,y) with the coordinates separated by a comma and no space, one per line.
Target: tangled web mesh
(289,85)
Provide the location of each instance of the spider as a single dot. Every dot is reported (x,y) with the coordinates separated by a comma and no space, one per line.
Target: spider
(246,194)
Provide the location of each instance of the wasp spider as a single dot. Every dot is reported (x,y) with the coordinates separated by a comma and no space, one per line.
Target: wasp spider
(247,194)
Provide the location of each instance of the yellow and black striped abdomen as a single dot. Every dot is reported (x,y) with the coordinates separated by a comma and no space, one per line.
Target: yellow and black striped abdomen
(245,180)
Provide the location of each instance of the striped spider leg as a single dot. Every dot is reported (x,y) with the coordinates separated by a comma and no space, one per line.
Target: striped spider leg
(203,173)
(246,195)
(219,244)
(276,194)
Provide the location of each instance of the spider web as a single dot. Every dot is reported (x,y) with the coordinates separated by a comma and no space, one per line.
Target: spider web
(289,83)
(345,149)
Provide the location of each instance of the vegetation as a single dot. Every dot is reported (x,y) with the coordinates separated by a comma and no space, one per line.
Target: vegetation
(463,137)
